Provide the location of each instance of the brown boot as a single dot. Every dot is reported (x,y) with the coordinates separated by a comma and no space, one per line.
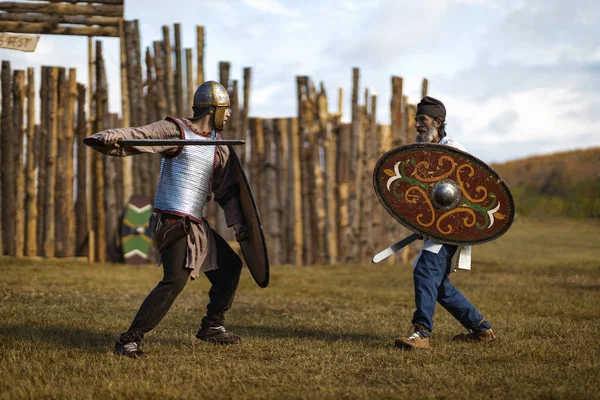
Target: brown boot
(476,336)
(418,340)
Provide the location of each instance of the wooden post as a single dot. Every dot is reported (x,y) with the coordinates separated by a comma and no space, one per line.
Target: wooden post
(150,106)
(234,125)
(297,179)
(178,72)
(98,172)
(19,132)
(358,219)
(302,85)
(169,89)
(42,147)
(139,78)
(371,226)
(7,157)
(396,107)
(224,68)
(81,215)
(200,54)
(49,238)
(258,154)
(127,184)
(343,178)
(31,211)
(189,74)
(245,113)
(330,151)
(424,87)
(318,135)
(60,199)
(69,171)
(159,65)
(284,194)
(270,204)
(353,202)
(89,156)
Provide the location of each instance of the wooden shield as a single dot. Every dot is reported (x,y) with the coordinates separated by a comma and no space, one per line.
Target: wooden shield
(136,238)
(406,177)
(254,250)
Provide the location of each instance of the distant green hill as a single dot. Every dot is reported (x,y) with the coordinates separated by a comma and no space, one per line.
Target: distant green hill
(559,184)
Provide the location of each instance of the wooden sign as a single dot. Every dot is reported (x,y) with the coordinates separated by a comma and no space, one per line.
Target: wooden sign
(18,42)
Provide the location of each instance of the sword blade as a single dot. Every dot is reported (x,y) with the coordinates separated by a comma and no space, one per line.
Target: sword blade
(382,255)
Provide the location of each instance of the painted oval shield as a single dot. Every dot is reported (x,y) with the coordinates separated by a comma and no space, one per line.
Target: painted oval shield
(443,193)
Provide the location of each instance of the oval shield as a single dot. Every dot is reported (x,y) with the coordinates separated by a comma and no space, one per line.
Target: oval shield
(254,249)
(443,193)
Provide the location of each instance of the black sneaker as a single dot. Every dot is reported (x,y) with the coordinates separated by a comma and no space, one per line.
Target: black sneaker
(218,335)
(129,345)
(129,349)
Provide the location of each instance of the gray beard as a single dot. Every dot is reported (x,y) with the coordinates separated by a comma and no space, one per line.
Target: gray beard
(428,136)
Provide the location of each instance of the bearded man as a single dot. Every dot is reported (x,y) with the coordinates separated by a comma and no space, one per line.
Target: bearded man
(434,263)
(186,242)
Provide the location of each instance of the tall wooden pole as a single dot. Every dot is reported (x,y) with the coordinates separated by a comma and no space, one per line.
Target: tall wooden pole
(424,87)
(178,72)
(60,199)
(31,211)
(7,156)
(126,181)
(19,132)
(319,136)
(343,178)
(396,109)
(245,113)
(169,84)
(353,203)
(49,239)
(284,194)
(270,174)
(159,66)
(69,172)
(81,214)
(41,145)
(89,156)
(189,74)
(99,206)
(200,54)
(297,174)
(302,86)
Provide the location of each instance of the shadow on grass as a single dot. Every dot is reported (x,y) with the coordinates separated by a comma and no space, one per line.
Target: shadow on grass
(68,337)
(270,332)
(61,336)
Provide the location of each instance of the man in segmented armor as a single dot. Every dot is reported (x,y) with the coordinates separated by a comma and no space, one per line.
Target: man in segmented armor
(186,242)
(436,261)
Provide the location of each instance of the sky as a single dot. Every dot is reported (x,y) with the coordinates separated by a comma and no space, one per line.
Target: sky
(517,77)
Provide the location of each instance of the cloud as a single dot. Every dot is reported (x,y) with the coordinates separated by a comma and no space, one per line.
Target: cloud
(503,122)
(271,6)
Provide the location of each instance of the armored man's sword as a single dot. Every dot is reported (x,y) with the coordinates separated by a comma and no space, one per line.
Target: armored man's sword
(443,194)
(164,142)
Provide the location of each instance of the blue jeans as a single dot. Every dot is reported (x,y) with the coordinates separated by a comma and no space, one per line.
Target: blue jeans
(432,283)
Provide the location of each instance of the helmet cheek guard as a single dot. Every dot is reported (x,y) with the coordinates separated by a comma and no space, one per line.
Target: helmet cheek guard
(220,118)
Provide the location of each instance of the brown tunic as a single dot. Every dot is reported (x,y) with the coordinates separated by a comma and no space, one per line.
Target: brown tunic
(201,252)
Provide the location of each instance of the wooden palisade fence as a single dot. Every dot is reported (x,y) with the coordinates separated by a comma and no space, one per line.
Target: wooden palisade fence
(311,173)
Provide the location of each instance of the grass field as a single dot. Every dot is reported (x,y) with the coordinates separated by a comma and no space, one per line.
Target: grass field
(315,332)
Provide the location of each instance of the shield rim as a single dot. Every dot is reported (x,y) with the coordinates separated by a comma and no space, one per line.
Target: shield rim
(424,146)
(264,284)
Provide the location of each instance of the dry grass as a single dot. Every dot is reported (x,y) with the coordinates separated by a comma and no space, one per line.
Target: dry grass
(315,332)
